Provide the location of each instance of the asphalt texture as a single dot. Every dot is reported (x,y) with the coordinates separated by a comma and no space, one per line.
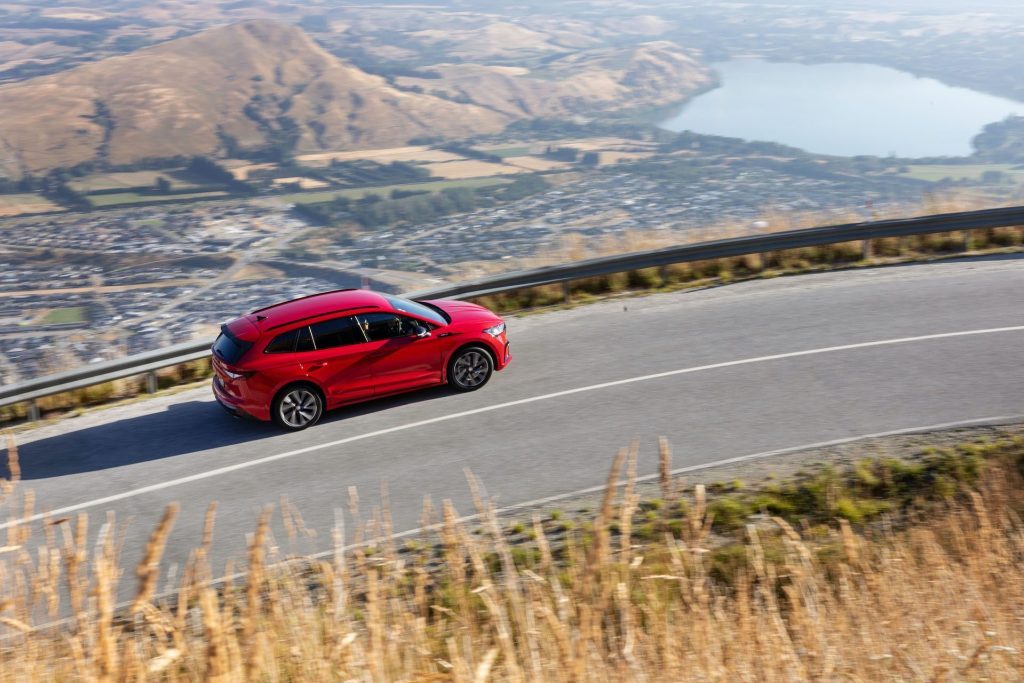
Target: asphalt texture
(544,445)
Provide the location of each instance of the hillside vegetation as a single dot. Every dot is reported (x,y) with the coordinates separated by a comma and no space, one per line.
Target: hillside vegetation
(888,570)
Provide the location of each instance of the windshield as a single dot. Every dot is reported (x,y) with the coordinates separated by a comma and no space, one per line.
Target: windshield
(427,311)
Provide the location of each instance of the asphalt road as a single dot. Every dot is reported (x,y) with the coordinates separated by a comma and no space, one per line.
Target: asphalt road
(793,361)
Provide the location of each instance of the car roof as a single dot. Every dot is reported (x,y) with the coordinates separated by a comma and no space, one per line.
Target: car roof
(314,305)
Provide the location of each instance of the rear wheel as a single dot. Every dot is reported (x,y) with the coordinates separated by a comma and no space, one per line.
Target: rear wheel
(470,368)
(297,407)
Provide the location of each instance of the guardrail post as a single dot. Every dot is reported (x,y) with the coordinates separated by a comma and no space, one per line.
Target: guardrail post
(151,385)
(34,414)
(968,240)
(866,250)
(566,291)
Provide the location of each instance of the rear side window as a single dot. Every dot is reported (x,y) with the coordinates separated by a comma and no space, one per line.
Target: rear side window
(337,332)
(229,348)
(283,343)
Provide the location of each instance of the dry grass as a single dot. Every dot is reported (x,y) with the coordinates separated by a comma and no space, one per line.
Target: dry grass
(934,601)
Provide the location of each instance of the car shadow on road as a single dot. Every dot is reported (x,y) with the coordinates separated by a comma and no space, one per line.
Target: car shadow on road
(180,429)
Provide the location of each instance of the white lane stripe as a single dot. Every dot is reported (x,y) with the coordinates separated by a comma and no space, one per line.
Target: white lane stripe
(486,409)
(982,421)
(537,502)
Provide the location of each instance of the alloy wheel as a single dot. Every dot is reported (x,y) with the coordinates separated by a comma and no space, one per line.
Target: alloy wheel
(299,408)
(471,369)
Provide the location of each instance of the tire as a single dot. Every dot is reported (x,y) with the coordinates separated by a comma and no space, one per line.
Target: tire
(297,407)
(470,368)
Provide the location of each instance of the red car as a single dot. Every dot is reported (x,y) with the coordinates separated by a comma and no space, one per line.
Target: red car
(292,361)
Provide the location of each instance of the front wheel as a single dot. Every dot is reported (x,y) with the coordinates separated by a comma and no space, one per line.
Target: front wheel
(470,368)
(297,407)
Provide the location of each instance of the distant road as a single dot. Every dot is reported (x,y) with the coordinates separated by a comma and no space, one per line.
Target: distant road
(725,372)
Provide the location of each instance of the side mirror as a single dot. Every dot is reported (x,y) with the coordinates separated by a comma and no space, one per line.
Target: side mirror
(421,332)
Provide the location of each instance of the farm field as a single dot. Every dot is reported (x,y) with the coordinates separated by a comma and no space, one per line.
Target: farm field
(384,190)
(20,204)
(469,168)
(936,172)
(108,200)
(412,153)
(130,179)
(531,163)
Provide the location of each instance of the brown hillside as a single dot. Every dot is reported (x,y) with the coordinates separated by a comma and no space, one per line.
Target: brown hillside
(249,81)
(584,83)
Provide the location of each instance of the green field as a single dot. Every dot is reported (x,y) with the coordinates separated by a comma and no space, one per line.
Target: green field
(63,316)
(130,179)
(936,172)
(108,200)
(505,152)
(385,190)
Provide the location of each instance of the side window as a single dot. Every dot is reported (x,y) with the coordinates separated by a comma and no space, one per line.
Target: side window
(379,326)
(282,343)
(305,340)
(337,332)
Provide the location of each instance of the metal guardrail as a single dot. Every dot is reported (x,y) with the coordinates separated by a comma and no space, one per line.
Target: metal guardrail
(147,363)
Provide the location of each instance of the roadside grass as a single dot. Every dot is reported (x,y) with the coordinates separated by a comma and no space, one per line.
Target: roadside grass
(73,402)
(756,266)
(692,585)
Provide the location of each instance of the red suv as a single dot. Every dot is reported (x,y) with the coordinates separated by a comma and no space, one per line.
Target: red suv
(292,361)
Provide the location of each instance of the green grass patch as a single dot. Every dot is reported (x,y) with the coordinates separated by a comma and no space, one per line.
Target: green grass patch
(63,316)
(506,152)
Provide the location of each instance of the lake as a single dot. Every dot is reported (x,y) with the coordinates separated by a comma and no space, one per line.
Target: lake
(842,109)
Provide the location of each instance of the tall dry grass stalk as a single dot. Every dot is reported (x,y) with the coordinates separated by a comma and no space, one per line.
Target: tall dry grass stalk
(939,600)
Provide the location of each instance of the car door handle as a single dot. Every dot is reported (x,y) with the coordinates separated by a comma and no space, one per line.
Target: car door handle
(317,366)
(444,334)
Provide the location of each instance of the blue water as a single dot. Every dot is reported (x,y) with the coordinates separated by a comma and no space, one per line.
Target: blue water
(842,109)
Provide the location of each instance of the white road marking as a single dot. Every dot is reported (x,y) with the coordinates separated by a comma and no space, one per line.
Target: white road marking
(486,409)
(594,489)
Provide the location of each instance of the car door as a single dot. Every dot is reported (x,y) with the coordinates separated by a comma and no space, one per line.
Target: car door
(339,361)
(399,359)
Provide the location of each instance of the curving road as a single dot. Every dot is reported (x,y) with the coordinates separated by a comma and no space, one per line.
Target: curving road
(725,372)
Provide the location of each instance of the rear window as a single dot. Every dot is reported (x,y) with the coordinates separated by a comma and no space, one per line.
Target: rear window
(229,348)
(337,332)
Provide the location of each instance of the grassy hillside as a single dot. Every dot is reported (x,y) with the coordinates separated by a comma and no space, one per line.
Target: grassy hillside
(781,582)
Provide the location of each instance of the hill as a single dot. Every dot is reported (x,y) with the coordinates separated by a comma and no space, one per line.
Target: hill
(583,83)
(247,86)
